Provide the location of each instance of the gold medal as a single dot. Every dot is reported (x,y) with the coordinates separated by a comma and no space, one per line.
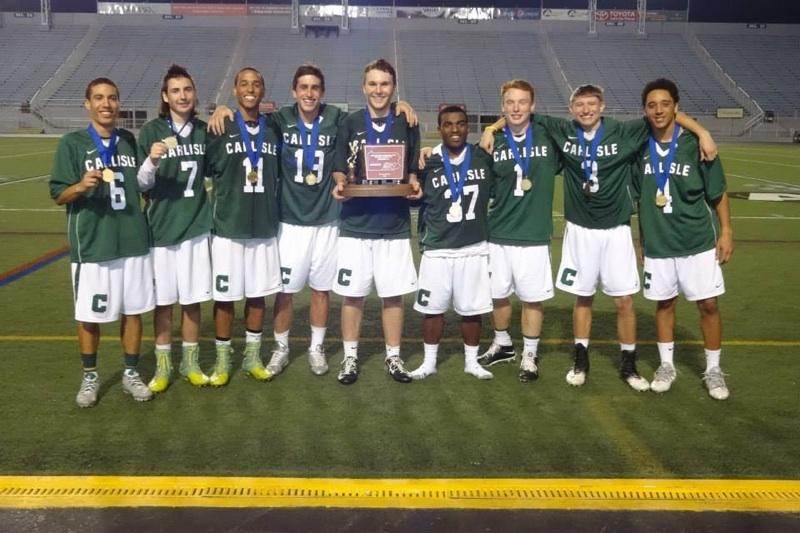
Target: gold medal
(455,211)
(526,184)
(171,142)
(108,175)
(661,200)
(311,178)
(252,177)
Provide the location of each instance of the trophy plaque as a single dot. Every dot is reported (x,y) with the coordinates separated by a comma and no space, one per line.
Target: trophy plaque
(377,170)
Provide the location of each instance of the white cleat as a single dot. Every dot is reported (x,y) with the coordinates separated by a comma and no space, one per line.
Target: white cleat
(422,372)
(478,371)
(663,378)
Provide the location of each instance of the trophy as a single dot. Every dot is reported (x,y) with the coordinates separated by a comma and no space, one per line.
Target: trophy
(377,170)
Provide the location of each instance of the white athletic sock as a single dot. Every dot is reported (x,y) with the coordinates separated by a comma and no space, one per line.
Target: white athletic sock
(317,336)
(585,342)
(712,358)
(471,365)
(431,354)
(250,336)
(428,366)
(189,344)
(164,347)
(530,345)
(222,343)
(392,351)
(502,337)
(627,347)
(282,338)
(350,348)
(665,352)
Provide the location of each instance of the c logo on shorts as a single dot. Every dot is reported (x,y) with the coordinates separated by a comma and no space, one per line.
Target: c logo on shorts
(647,278)
(222,283)
(344,276)
(422,297)
(568,276)
(99,302)
(285,273)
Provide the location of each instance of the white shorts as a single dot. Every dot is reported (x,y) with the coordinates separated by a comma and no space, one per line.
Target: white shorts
(183,272)
(104,291)
(308,255)
(524,270)
(464,279)
(697,276)
(592,256)
(388,262)
(244,268)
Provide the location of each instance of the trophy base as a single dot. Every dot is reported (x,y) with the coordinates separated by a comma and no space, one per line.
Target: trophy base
(353,190)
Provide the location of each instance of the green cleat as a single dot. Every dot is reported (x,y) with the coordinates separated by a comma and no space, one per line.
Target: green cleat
(252,364)
(160,380)
(190,367)
(222,368)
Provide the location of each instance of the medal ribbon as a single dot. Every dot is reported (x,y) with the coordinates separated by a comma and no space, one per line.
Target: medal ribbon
(172,126)
(373,136)
(663,176)
(591,157)
(526,168)
(308,150)
(456,186)
(105,153)
(253,155)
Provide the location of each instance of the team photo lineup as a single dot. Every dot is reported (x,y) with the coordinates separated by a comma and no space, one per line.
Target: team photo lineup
(250,205)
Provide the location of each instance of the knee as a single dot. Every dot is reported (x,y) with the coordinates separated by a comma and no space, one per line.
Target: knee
(708,307)
(624,304)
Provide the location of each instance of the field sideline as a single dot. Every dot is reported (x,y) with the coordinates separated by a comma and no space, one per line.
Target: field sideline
(447,427)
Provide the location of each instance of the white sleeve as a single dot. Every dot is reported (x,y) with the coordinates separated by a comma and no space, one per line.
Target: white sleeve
(147,175)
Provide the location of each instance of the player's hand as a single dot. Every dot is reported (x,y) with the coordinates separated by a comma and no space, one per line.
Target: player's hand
(216,123)
(708,148)
(157,151)
(405,108)
(424,153)
(338,191)
(487,141)
(724,247)
(90,179)
(416,193)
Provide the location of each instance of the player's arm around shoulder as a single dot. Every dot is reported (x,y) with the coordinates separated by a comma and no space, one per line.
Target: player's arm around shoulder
(708,148)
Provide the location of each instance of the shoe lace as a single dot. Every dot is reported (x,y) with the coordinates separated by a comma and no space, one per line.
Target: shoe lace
(89,385)
(714,379)
(134,379)
(349,365)
(665,373)
(528,363)
(317,353)
(395,365)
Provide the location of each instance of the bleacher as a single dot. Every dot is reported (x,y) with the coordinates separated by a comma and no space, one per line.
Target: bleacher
(766,66)
(29,58)
(623,64)
(136,57)
(456,67)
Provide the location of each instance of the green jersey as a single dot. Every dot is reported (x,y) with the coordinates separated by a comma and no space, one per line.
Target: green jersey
(303,203)
(438,227)
(687,224)
(610,202)
(375,218)
(241,209)
(518,217)
(177,206)
(106,222)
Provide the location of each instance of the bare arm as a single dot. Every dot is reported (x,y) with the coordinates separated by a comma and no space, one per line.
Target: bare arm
(708,148)
(404,108)
(89,181)
(338,189)
(487,137)
(216,122)
(725,241)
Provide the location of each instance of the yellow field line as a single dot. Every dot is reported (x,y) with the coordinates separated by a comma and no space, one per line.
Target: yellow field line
(33,492)
(602,342)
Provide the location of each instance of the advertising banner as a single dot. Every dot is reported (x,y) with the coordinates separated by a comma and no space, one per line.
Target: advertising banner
(616,15)
(517,14)
(565,14)
(132,8)
(209,9)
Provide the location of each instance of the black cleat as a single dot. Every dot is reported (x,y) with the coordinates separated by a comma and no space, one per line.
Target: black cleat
(497,354)
(349,371)
(396,369)
(580,366)
(529,368)
(628,373)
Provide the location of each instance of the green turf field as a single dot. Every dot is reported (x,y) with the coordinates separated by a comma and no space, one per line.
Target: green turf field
(450,425)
